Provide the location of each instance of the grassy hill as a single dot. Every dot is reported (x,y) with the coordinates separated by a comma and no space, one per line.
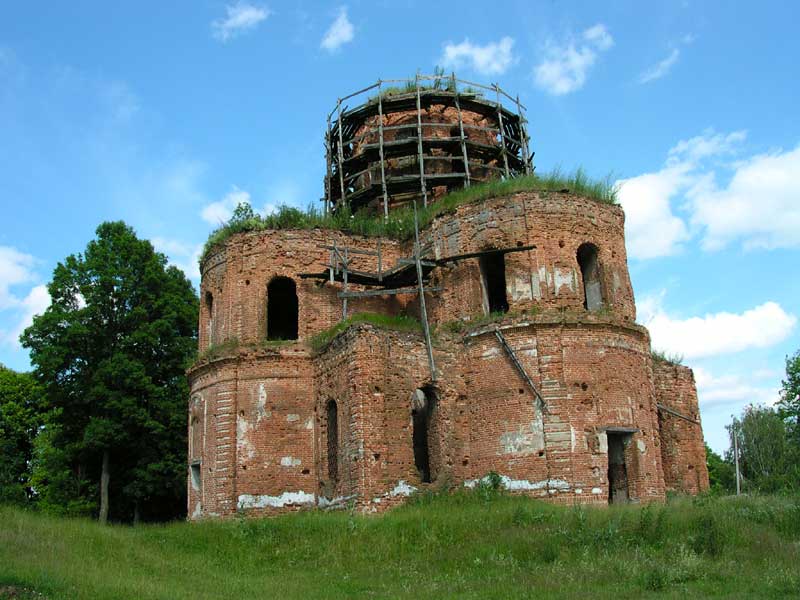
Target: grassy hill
(469,545)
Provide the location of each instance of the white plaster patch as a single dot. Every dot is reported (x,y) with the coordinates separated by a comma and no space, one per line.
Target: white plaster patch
(602,442)
(292,418)
(641,445)
(522,484)
(290,461)
(310,423)
(324,502)
(490,352)
(261,403)
(520,288)
(579,491)
(285,499)
(198,511)
(536,288)
(572,437)
(564,278)
(244,446)
(597,491)
(526,440)
(402,489)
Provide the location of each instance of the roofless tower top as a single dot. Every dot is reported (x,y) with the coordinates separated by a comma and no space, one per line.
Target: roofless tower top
(419,138)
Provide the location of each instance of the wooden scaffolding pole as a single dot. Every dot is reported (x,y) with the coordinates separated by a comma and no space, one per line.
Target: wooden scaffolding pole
(380,148)
(328,168)
(423,310)
(502,133)
(419,148)
(340,151)
(524,134)
(461,133)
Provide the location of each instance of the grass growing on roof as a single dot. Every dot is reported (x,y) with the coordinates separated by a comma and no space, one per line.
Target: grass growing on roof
(664,357)
(400,224)
(396,323)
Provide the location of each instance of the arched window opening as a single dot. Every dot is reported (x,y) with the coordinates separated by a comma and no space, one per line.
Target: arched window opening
(493,271)
(281,309)
(590,273)
(333,441)
(421,409)
(209,299)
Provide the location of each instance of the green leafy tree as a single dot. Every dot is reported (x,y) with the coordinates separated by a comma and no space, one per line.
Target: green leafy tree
(110,352)
(765,454)
(721,475)
(21,405)
(789,404)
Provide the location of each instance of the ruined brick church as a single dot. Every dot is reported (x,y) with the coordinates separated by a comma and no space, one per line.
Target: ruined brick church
(527,361)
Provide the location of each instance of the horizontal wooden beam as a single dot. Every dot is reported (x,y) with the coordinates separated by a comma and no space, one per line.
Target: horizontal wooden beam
(405,290)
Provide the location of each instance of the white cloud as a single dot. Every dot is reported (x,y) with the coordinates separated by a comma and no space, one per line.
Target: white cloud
(760,205)
(15,268)
(339,33)
(566,66)
(716,333)
(492,59)
(219,212)
(661,68)
(648,198)
(731,389)
(240,18)
(646,201)
(35,303)
(184,256)
(706,145)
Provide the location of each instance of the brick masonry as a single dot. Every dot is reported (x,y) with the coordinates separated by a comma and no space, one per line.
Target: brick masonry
(258,412)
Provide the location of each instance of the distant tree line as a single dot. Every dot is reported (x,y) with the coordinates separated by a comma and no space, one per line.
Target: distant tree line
(99,426)
(768,443)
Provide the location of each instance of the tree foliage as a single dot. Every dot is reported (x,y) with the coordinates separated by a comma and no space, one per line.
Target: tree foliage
(110,353)
(767,458)
(721,477)
(789,404)
(21,405)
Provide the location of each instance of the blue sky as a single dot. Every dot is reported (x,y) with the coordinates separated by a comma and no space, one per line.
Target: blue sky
(166,114)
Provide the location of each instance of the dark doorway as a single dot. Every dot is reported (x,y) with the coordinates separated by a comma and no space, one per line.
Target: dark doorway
(617,471)
(422,406)
(281,309)
(590,273)
(493,271)
(333,441)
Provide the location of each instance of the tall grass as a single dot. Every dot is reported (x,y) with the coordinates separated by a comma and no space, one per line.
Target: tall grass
(400,224)
(479,544)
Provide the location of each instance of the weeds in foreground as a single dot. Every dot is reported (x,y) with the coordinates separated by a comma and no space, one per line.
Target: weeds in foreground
(477,543)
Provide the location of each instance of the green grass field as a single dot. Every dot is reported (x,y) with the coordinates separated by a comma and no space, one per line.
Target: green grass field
(468,545)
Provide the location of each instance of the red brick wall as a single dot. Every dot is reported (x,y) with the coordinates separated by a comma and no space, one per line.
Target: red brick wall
(683,449)
(263,440)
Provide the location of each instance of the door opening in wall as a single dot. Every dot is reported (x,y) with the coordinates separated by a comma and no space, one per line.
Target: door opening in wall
(590,273)
(282,309)
(420,417)
(493,271)
(333,441)
(617,469)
